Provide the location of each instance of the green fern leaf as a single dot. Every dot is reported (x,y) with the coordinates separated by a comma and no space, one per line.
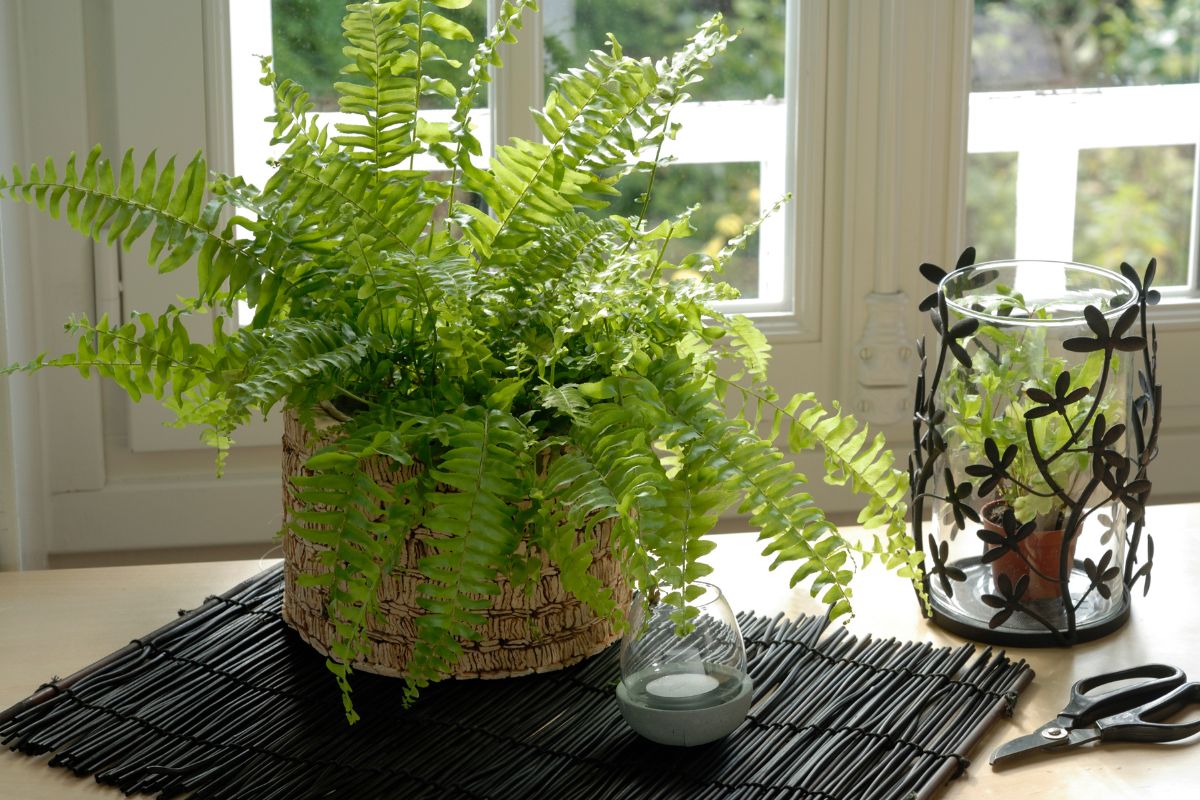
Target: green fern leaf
(486,470)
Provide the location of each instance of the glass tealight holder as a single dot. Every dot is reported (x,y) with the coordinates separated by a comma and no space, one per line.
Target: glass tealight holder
(683,668)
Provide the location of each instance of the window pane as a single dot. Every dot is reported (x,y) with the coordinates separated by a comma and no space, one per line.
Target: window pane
(1134,203)
(992,204)
(1071,44)
(752,68)
(306,42)
(731,200)
(730,155)
(1099,104)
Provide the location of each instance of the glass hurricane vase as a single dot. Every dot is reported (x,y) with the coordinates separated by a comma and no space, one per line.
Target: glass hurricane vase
(1031,449)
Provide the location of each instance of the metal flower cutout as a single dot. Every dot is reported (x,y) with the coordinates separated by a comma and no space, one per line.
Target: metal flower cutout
(1100,574)
(996,469)
(1007,542)
(1144,570)
(1055,403)
(1143,287)
(1103,438)
(944,572)
(956,496)
(934,274)
(952,333)
(1105,339)
(1008,601)
(1129,494)
(932,437)
(1112,525)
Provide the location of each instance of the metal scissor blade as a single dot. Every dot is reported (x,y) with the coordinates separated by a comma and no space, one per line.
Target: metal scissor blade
(1019,746)
(1048,737)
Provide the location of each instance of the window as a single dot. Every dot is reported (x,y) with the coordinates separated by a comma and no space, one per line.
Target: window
(1084,120)
(731,153)
(869,131)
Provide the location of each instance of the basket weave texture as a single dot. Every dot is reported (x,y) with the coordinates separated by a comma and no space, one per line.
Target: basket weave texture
(545,631)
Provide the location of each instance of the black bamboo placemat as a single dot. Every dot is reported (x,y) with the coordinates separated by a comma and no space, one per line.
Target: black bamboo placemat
(226,702)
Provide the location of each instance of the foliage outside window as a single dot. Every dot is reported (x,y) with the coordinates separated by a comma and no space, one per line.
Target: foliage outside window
(307,49)
(1085,48)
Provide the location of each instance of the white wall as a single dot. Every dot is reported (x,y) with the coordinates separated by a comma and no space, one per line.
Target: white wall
(22,487)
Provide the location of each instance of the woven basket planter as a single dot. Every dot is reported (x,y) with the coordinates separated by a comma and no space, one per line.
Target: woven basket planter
(545,631)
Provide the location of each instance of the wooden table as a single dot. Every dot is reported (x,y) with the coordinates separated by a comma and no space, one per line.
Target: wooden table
(55,622)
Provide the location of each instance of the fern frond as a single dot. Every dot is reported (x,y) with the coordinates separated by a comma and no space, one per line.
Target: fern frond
(343,512)
(486,467)
(533,183)
(788,519)
(853,457)
(381,55)
(146,356)
(617,445)
(327,190)
(749,344)
(388,45)
(576,499)
(465,143)
(292,359)
(695,501)
(573,242)
(292,105)
(740,241)
(567,400)
(124,206)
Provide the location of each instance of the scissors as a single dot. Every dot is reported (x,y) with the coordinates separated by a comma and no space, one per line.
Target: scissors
(1126,714)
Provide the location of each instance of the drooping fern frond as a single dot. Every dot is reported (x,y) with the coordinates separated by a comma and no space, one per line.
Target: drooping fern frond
(579,500)
(297,361)
(146,356)
(616,444)
(854,458)
(694,504)
(486,470)
(788,519)
(750,345)
(122,207)
(341,512)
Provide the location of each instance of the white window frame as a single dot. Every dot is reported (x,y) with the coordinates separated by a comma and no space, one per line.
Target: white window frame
(1047,131)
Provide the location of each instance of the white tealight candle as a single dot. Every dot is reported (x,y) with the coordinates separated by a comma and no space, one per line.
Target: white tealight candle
(682,684)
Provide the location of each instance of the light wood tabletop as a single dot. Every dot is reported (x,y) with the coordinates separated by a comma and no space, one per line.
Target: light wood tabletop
(54,622)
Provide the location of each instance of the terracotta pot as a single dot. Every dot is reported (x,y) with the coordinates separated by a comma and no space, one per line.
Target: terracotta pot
(1010,564)
(1042,549)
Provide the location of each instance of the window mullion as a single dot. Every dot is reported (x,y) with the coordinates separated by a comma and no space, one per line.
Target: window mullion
(518,86)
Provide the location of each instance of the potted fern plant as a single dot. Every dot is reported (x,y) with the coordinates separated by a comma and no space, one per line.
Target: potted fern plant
(491,385)
(990,423)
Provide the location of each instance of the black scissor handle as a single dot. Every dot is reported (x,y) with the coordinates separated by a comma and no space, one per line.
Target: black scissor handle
(1139,725)
(1085,709)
